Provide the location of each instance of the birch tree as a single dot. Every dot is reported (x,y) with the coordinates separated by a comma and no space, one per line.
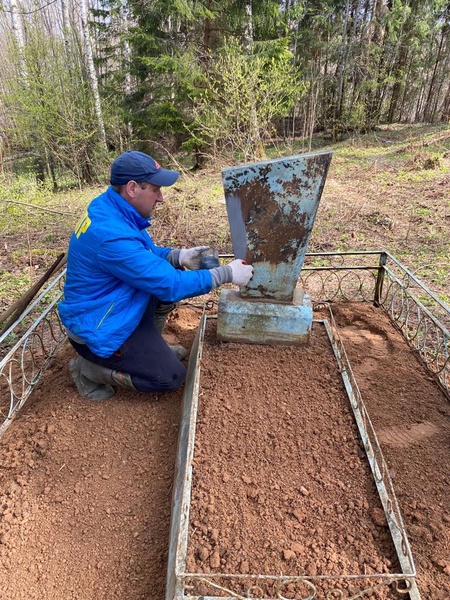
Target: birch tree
(17,29)
(91,71)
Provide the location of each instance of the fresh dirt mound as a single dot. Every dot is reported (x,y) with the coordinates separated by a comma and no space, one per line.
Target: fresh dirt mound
(85,488)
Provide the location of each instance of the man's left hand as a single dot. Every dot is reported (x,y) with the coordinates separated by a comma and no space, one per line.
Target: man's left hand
(191,258)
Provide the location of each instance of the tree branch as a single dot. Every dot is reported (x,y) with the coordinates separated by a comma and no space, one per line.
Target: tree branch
(58,212)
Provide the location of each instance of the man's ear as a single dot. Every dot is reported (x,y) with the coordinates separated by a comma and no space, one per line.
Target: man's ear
(130,189)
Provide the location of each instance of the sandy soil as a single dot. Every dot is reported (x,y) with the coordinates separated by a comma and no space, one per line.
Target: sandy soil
(85,488)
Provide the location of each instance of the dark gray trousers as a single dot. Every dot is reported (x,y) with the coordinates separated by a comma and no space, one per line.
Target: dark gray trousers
(145,355)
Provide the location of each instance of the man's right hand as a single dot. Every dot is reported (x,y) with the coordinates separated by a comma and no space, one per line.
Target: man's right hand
(242,272)
(237,272)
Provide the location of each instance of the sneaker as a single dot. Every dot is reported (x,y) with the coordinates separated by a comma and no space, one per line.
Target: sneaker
(87,388)
(179,351)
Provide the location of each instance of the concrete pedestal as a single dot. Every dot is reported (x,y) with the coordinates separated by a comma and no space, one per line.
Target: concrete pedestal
(264,322)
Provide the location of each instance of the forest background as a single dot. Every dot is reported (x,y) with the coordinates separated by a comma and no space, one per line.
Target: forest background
(81,80)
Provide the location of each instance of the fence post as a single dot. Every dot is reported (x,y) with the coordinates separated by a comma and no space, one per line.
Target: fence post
(380,279)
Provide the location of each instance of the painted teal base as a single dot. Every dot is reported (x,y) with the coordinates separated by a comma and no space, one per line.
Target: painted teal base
(254,321)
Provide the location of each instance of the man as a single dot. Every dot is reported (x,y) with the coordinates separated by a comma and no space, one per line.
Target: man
(118,280)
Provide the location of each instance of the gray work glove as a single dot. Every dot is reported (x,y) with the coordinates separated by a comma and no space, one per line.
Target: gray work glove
(210,258)
(237,272)
(191,258)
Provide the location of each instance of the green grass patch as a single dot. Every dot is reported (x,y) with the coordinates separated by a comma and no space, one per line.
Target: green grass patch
(14,284)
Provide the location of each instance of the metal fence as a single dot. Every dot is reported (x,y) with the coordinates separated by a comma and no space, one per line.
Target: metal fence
(27,349)
(184,585)
(378,277)
(29,345)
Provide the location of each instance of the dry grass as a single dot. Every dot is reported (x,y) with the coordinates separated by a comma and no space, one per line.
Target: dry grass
(389,189)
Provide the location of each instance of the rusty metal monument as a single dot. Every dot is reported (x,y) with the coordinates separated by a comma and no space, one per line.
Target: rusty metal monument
(271,208)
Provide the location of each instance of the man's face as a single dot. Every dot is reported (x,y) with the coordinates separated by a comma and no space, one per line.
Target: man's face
(144,197)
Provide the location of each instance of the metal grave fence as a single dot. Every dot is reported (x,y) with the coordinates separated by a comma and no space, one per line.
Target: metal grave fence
(30,344)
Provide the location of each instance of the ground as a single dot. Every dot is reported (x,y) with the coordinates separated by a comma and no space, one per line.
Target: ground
(86,487)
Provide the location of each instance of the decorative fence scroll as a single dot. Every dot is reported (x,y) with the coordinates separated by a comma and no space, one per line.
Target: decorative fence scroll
(378,277)
(29,345)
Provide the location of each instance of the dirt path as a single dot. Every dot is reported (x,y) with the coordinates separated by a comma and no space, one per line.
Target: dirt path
(85,489)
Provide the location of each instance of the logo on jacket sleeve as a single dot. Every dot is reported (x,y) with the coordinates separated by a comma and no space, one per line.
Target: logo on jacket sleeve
(82,225)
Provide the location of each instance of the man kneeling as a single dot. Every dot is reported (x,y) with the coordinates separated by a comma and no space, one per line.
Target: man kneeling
(120,286)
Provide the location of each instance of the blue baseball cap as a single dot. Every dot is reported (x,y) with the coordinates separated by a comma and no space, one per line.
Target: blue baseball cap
(140,167)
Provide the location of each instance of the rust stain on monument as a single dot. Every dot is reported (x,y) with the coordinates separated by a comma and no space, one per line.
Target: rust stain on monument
(271,209)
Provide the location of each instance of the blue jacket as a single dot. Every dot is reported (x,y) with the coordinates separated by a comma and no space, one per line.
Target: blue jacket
(113,267)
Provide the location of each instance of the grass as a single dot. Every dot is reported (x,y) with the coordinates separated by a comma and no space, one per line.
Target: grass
(387,189)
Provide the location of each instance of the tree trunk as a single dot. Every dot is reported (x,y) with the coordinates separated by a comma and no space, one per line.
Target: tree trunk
(91,72)
(18,31)
(207,31)
(341,67)
(256,150)
(376,34)
(430,106)
(66,29)
(123,13)
(406,116)
(445,116)
(17,28)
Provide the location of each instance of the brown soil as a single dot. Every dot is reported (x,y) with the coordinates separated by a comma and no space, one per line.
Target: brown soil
(85,488)
(281,485)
